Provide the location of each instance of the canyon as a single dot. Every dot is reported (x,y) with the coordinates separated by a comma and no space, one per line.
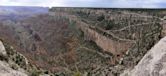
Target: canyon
(83,41)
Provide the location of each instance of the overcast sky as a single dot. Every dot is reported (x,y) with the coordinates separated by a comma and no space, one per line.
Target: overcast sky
(88,3)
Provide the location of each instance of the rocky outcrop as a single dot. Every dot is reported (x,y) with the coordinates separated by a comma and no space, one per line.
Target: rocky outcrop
(2,49)
(5,68)
(13,63)
(116,47)
(153,63)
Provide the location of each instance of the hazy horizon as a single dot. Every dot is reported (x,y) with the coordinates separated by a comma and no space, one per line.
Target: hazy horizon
(87,3)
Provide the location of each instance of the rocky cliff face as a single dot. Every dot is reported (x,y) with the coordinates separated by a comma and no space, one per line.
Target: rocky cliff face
(125,35)
(115,32)
(5,67)
(106,43)
(153,63)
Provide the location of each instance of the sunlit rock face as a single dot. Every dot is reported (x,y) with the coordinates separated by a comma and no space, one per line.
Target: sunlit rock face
(153,63)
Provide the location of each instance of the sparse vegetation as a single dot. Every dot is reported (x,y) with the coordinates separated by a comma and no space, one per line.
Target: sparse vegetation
(97,41)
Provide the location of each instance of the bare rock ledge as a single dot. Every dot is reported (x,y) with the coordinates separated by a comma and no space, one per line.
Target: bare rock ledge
(152,64)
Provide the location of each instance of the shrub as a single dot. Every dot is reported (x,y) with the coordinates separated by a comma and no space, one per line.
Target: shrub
(77,73)
(14,66)
(100,18)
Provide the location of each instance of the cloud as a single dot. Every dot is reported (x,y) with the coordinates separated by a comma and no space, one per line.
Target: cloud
(88,3)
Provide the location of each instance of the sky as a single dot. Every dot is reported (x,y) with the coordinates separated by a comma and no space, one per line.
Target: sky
(87,3)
